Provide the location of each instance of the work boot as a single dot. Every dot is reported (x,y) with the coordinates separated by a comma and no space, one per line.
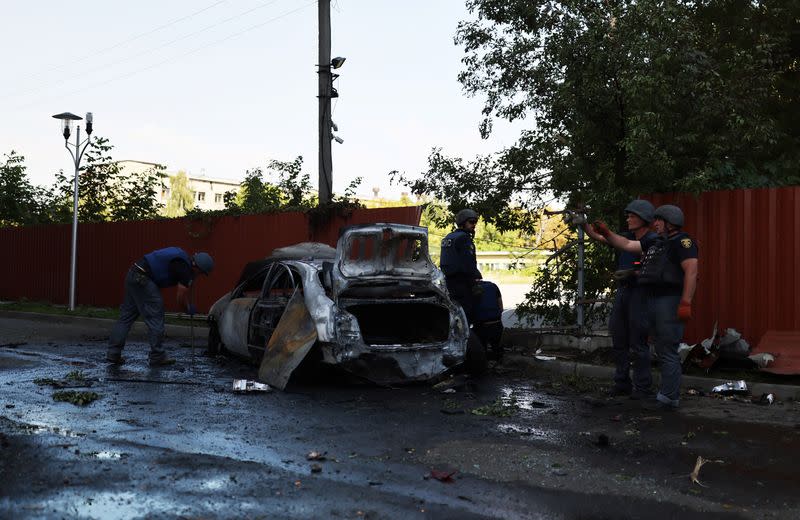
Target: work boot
(114,359)
(162,361)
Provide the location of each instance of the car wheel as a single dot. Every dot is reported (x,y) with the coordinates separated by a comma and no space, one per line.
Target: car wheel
(214,340)
(476,361)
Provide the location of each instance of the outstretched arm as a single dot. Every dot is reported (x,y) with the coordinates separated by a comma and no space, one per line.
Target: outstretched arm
(617,241)
(593,234)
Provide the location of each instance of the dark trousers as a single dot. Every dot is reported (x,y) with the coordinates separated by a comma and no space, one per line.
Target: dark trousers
(629,336)
(667,331)
(142,297)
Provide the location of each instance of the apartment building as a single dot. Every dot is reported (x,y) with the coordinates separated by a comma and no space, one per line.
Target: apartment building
(208,192)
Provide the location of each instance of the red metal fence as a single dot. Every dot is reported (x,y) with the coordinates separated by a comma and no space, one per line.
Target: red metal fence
(749,259)
(35,262)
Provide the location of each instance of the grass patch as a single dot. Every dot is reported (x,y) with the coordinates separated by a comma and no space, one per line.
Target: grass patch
(110,313)
(76,398)
(499,408)
(76,376)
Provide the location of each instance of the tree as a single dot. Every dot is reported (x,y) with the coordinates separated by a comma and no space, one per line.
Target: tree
(105,192)
(181,196)
(136,195)
(255,195)
(18,205)
(626,98)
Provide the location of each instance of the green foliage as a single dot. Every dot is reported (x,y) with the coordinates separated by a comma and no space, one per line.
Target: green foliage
(19,200)
(75,397)
(181,197)
(627,98)
(105,192)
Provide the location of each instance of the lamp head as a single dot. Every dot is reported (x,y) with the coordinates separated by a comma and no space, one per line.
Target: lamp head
(66,122)
(337,62)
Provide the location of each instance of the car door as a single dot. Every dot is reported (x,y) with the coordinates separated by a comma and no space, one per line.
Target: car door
(234,322)
(278,289)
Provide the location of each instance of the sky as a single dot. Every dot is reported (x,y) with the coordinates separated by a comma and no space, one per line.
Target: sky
(217,88)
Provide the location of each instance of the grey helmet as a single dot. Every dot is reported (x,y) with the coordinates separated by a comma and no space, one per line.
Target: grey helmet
(204,262)
(642,209)
(671,214)
(465,215)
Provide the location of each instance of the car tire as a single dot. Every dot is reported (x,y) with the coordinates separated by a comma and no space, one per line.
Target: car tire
(214,341)
(476,361)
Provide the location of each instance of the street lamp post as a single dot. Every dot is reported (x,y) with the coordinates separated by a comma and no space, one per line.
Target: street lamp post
(66,126)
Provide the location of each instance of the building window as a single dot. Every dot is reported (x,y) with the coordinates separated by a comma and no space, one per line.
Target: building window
(201,196)
(218,197)
(165,193)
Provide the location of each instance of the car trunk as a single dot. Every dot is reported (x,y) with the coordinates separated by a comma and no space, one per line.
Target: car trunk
(399,322)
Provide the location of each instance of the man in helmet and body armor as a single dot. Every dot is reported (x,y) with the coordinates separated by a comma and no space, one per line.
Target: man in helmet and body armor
(669,275)
(157,270)
(459,264)
(628,322)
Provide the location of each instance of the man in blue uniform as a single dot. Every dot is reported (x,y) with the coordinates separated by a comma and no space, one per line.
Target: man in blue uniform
(162,268)
(669,274)
(628,322)
(459,263)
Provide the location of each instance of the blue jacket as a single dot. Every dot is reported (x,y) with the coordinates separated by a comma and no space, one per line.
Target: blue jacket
(159,261)
(458,258)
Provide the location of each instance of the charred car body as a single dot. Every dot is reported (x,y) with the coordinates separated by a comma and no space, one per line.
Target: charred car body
(375,306)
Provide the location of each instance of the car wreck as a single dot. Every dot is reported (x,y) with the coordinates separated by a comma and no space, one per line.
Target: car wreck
(376,307)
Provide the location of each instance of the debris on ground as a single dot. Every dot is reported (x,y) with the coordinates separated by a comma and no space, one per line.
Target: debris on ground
(453,383)
(316,455)
(499,408)
(541,357)
(762,359)
(695,474)
(74,379)
(75,397)
(316,468)
(452,407)
(603,441)
(731,388)
(441,476)
(241,386)
(766,399)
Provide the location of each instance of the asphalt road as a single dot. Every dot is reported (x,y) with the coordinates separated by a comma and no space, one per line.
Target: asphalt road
(178,443)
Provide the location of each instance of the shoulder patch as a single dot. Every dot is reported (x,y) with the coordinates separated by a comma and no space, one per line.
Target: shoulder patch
(686,243)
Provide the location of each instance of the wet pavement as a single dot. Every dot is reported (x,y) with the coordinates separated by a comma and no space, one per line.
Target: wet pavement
(177,442)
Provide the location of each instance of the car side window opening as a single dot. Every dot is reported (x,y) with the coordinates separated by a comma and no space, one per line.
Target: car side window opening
(253,283)
(281,283)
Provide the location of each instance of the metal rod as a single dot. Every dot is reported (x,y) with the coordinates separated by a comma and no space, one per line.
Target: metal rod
(74,254)
(580,299)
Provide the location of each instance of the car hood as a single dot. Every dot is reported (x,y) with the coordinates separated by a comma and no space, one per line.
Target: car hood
(384,252)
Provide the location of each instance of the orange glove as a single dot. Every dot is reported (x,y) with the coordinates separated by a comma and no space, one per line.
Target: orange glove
(601,228)
(684,310)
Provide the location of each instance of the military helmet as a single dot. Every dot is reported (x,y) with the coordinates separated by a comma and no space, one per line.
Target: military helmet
(671,214)
(204,262)
(465,215)
(642,209)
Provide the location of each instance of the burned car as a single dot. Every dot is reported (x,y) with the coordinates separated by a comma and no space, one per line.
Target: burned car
(376,306)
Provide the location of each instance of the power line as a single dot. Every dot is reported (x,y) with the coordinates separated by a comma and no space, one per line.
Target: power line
(123,42)
(82,73)
(193,51)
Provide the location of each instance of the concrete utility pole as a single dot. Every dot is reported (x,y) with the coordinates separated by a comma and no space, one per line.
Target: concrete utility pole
(325,86)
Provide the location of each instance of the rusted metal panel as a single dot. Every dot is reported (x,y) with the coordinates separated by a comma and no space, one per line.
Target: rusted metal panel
(749,244)
(36,265)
